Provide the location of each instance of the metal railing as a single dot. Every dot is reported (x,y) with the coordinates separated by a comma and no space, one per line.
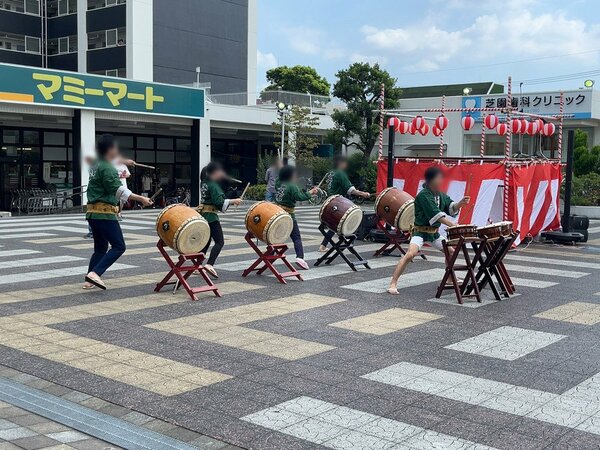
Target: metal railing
(318,104)
(34,201)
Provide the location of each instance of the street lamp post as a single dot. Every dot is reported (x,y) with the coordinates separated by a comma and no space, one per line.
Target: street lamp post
(283,110)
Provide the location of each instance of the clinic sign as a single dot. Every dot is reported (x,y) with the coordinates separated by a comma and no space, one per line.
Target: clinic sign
(22,84)
(577,103)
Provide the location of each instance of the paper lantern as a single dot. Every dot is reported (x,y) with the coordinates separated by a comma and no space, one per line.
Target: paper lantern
(436,131)
(515,126)
(394,123)
(491,121)
(424,130)
(467,122)
(502,129)
(532,128)
(418,122)
(549,129)
(403,127)
(524,126)
(540,125)
(441,122)
(412,129)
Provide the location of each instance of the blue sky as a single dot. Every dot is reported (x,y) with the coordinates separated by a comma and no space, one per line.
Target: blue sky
(436,41)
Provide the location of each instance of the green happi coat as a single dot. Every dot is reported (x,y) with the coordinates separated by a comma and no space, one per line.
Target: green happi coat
(430,207)
(338,183)
(102,187)
(287,194)
(213,195)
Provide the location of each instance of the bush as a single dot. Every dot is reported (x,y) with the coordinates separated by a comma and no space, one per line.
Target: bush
(362,172)
(320,167)
(256,192)
(586,190)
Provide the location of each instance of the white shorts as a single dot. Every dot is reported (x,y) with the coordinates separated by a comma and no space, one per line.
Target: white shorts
(418,241)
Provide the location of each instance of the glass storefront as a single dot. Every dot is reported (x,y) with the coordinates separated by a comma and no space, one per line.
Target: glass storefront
(34,158)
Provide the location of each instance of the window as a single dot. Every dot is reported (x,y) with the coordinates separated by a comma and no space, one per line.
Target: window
(107,38)
(32,7)
(111,38)
(67,44)
(95,4)
(19,43)
(22,6)
(32,44)
(57,8)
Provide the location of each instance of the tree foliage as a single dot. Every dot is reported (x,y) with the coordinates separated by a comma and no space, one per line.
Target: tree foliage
(303,79)
(301,135)
(585,160)
(359,87)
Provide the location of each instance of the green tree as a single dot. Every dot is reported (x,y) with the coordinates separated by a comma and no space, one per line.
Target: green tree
(585,160)
(301,135)
(303,79)
(359,87)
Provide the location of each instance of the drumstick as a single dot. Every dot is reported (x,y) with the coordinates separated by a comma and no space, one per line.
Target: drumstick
(235,180)
(156,194)
(143,165)
(468,192)
(244,193)
(323,179)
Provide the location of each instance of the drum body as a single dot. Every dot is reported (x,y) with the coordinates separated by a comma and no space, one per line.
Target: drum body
(458,231)
(507,228)
(396,208)
(269,223)
(491,232)
(340,215)
(183,229)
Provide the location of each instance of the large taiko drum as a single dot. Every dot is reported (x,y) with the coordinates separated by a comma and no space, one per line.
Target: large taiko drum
(396,208)
(183,229)
(269,223)
(340,215)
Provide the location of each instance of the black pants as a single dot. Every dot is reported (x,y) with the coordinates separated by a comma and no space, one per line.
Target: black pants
(216,235)
(105,232)
(297,240)
(329,234)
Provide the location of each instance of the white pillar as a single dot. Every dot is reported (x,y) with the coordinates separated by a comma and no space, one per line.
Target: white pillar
(205,151)
(252,50)
(88,146)
(82,37)
(140,40)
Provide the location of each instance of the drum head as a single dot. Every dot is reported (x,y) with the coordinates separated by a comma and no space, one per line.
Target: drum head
(350,223)
(380,196)
(192,236)
(406,216)
(278,229)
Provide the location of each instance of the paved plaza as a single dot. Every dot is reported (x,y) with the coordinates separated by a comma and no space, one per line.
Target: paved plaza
(330,362)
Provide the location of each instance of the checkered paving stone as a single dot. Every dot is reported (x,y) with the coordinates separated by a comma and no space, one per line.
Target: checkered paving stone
(508,343)
(407,371)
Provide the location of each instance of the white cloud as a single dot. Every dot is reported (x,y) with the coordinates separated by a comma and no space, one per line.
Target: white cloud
(489,37)
(371,59)
(266,61)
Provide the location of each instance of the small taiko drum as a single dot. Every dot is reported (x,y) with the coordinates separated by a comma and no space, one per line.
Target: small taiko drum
(183,229)
(490,232)
(396,208)
(269,223)
(507,228)
(465,231)
(340,215)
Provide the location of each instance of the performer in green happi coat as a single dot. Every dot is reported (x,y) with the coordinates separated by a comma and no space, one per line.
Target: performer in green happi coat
(338,183)
(213,203)
(432,209)
(287,193)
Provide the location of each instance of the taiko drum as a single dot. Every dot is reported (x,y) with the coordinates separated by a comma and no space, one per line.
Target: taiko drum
(396,208)
(340,215)
(269,223)
(183,229)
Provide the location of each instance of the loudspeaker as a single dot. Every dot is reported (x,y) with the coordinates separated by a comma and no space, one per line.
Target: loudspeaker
(578,222)
(368,223)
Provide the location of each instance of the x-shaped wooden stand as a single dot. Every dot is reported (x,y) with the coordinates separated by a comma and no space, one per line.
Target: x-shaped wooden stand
(451,254)
(182,272)
(344,243)
(491,266)
(267,258)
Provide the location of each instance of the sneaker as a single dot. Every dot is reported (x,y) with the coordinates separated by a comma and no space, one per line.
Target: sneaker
(323,248)
(302,264)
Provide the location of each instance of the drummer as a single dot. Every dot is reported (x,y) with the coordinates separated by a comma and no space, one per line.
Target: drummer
(432,208)
(287,193)
(104,193)
(338,183)
(213,202)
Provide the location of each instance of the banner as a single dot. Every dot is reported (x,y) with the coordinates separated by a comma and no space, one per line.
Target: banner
(20,84)
(534,191)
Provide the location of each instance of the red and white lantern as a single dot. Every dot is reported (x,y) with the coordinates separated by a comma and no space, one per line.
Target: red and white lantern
(501,129)
(403,128)
(418,122)
(533,128)
(412,130)
(467,122)
(524,126)
(515,126)
(540,125)
(436,131)
(491,121)
(394,123)
(424,130)
(441,123)
(549,129)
